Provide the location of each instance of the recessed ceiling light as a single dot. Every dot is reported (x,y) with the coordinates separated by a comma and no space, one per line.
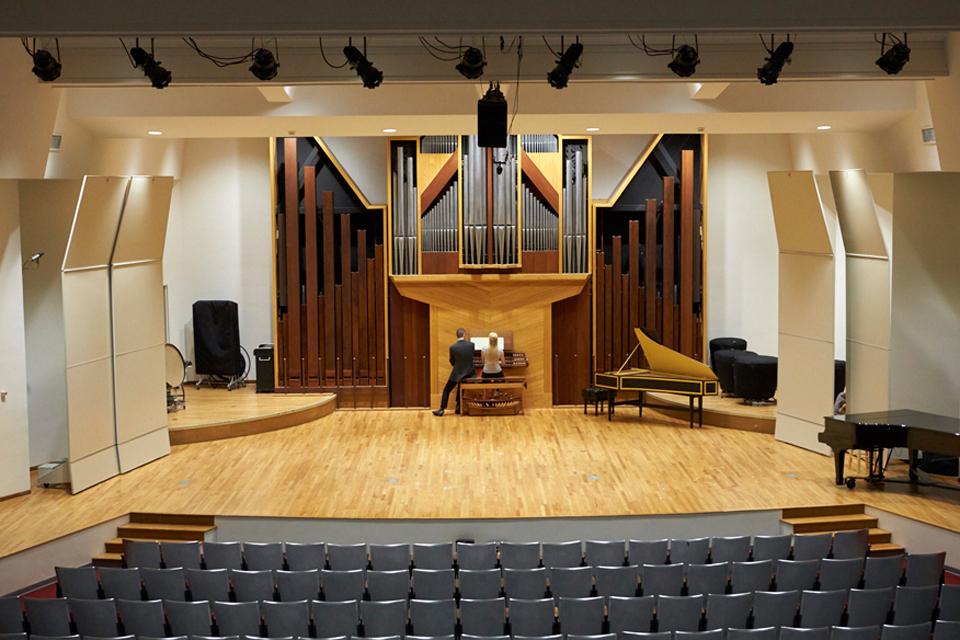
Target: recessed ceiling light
(389,130)
(824,127)
(593,129)
(154,132)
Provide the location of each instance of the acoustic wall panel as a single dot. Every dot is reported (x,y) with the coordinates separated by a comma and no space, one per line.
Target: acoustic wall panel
(137,306)
(143,229)
(141,407)
(94,230)
(86,308)
(868,280)
(806,304)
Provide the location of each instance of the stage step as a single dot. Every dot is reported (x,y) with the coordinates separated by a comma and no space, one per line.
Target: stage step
(824,524)
(163,531)
(841,517)
(886,549)
(823,510)
(108,560)
(167,518)
(160,527)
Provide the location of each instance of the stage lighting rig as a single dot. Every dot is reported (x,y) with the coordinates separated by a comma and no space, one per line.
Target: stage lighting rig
(265,64)
(45,65)
(769,73)
(892,60)
(141,59)
(686,57)
(566,63)
(472,63)
(369,74)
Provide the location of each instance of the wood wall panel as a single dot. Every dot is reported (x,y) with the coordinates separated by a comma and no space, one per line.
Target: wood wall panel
(633,267)
(329,297)
(570,321)
(669,245)
(650,263)
(616,344)
(346,308)
(292,236)
(312,289)
(687,239)
(360,308)
(409,351)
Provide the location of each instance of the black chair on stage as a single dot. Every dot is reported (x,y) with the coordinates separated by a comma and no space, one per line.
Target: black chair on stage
(723,344)
(755,377)
(595,396)
(722,362)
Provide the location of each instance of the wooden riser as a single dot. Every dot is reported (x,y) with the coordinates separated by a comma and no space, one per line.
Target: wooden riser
(160,531)
(824,524)
(108,560)
(166,518)
(886,549)
(822,510)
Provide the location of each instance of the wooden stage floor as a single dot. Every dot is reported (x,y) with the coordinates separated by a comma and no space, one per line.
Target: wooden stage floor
(410,464)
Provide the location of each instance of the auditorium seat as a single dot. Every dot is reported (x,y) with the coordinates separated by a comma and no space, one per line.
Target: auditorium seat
(483,617)
(946,630)
(35,636)
(605,553)
(222,555)
(913,605)
(840,574)
(883,571)
(519,555)
(189,618)
(286,618)
(710,634)
(855,633)
(924,569)
(869,607)
(433,555)
(553,636)
(618,581)
(722,362)
(531,617)
(433,584)
(477,556)
(297,585)
(251,586)
(390,557)
(796,575)
(751,576)
(595,636)
(11,615)
(383,617)
(527,584)
(161,637)
(208,584)
(661,579)
(707,578)
(164,584)
(689,550)
(562,554)
(679,613)
(347,557)
(342,585)
(433,617)
(641,552)
(303,556)
(920,631)
(804,633)
(479,584)
(755,377)
(214,637)
(141,553)
(262,556)
(19,635)
(950,602)
(449,636)
(630,614)
(728,611)
(822,608)
(775,608)
(730,549)
(77,582)
(850,544)
(185,555)
(581,616)
(48,616)
(812,546)
(237,618)
(771,547)
(467,636)
(647,635)
(124,637)
(764,633)
(388,585)
(332,619)
(141,617)
(97,618)
(571,582)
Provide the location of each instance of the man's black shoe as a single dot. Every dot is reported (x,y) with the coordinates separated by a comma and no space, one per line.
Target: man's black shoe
(438,412)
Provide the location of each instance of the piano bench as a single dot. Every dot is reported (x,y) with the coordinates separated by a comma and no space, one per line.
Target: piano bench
(596,395)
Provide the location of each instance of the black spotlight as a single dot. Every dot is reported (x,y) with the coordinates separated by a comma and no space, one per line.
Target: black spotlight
(570,60)
(471,63)
(492,118)
(264,65)
(769,73)
(369,74)
(685,61)
(159,77)
(45,66)
(893,59)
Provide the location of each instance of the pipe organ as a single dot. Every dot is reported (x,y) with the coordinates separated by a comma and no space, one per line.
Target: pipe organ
(575,206)
(404,209)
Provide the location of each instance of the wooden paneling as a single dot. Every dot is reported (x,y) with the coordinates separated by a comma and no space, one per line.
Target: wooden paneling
(360,308)
(600,329)
(616,346)
(541,262)
(686,251)
(650,263)
(669,246)
(539,182)
(329,293)
(570,321)
(438,262)
(312,285)
(292,231)
(409,351)
(380,301)
(608,305)
(346,308)
(633,266)
(435,187)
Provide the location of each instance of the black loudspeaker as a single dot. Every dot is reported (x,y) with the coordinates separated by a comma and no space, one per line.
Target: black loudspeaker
(216,338)
(492,119)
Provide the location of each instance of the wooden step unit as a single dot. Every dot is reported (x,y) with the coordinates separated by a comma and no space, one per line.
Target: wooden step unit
(154,526)
(841,517)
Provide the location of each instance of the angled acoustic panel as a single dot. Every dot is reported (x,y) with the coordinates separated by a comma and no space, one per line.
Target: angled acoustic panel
(806,304)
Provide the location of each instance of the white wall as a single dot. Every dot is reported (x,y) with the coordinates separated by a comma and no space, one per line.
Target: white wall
(14,451)
(218,238)
(28,110)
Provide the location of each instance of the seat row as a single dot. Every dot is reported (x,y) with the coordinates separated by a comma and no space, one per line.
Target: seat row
(490,617)
(489,555)
(437,584)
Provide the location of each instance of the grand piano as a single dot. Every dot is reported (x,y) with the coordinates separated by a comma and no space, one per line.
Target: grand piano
(668,372)
(874,432)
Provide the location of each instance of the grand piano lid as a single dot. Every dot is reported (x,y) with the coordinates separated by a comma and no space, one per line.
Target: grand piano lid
(906,418)
(665,360)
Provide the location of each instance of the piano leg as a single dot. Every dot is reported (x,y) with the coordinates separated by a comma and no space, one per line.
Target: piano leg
(838,460)
(640,402)
(691,412)
(914,461)
(700,411)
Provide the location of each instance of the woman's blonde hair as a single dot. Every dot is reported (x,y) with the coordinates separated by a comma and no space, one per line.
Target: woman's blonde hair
(493,339)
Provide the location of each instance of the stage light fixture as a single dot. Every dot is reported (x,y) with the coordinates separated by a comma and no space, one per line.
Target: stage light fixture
(892,60)
(593,129)
(566,63)
(154,132)
(264,65)
(46,66)
(769,73)
(824,127)
(389,130)
(152,69)
(369,74)
(492,118)
(471,63)
(685,60)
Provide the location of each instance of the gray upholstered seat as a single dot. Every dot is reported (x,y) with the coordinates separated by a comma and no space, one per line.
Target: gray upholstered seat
(519,555)
(335,618)
(805,633)
(630,614)
(914,605)
(662,579)
(78,582)
(822,608)
(771,547)
(208,584)
(751,576)
(483,617)
(142,617)
(286,618)
(303,556)
(762,633)
(252,586)
(641,552)
(97,618)
(796,575)
(262,556)
(189,618)
(707,578)
(562,554)
(433,555)
(237,618)
(605,553)
(730,549)
(571,582)
(883,571)
(920,631)
(480,584)
(390,557)
(689,550)
(347,557)
(163,584)
(528,584)
(950,602)
(581,616)
(775,608)
(679,613)
(851,544)
(840,574)
(855,633)
(433,584)
(477,556)
(11,615)
(709,634)
(141,553)
(293,586)
(384,617)
(222,555)
(183,554)
(946,630)
(433,617)
(617,581)
(925,569)
(388,585)
(531,617)
(726,611)
(342,585)
(48,616)
(869,607)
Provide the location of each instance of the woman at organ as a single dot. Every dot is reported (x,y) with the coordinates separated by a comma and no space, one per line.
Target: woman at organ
(492,358)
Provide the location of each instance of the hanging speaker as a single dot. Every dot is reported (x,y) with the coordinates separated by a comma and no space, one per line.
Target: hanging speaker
(492,118)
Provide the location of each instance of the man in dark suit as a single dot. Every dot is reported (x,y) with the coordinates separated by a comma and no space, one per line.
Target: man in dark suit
(461,357)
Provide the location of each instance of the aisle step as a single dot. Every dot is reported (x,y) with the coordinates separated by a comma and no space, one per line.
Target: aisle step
(823,510)
(824,524)
(163,531)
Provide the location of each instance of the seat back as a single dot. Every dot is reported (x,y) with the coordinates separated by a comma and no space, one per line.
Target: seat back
(335,618)
(851,544)
(77,582)
(163,584)
(519,555)
(481,584)
(562,554)
(763,633)
(383,618)
(571,582)
(914,605)
(433,584)
(390,557)
(730,549)
(746,577)
(142,617)
(531,617)
(618,581)
(869,607)
(184,554)
(775,608)
(728,611)
(796,575)
(689,550)
(679,613)
(920,631)
(222,555)
(840,574)
(581,616)
(630,614)
(433,555)
(252,586)
(262,556)
(924,569)
(237,618)
(303,556)
(822,608)
(771,547)
(388,585)
(347,557)
(793,633)
(641,552)
(605,553)
(476,556)
(527,584)
(141,553)
(855,633)
(293,586)
(707,578)
(11,615)
(483,617)
(662,579)
(433,617)
(48,616)
(208,584)
(189,618)
(286,618)
(97,618)
(342,585)
(882,571)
